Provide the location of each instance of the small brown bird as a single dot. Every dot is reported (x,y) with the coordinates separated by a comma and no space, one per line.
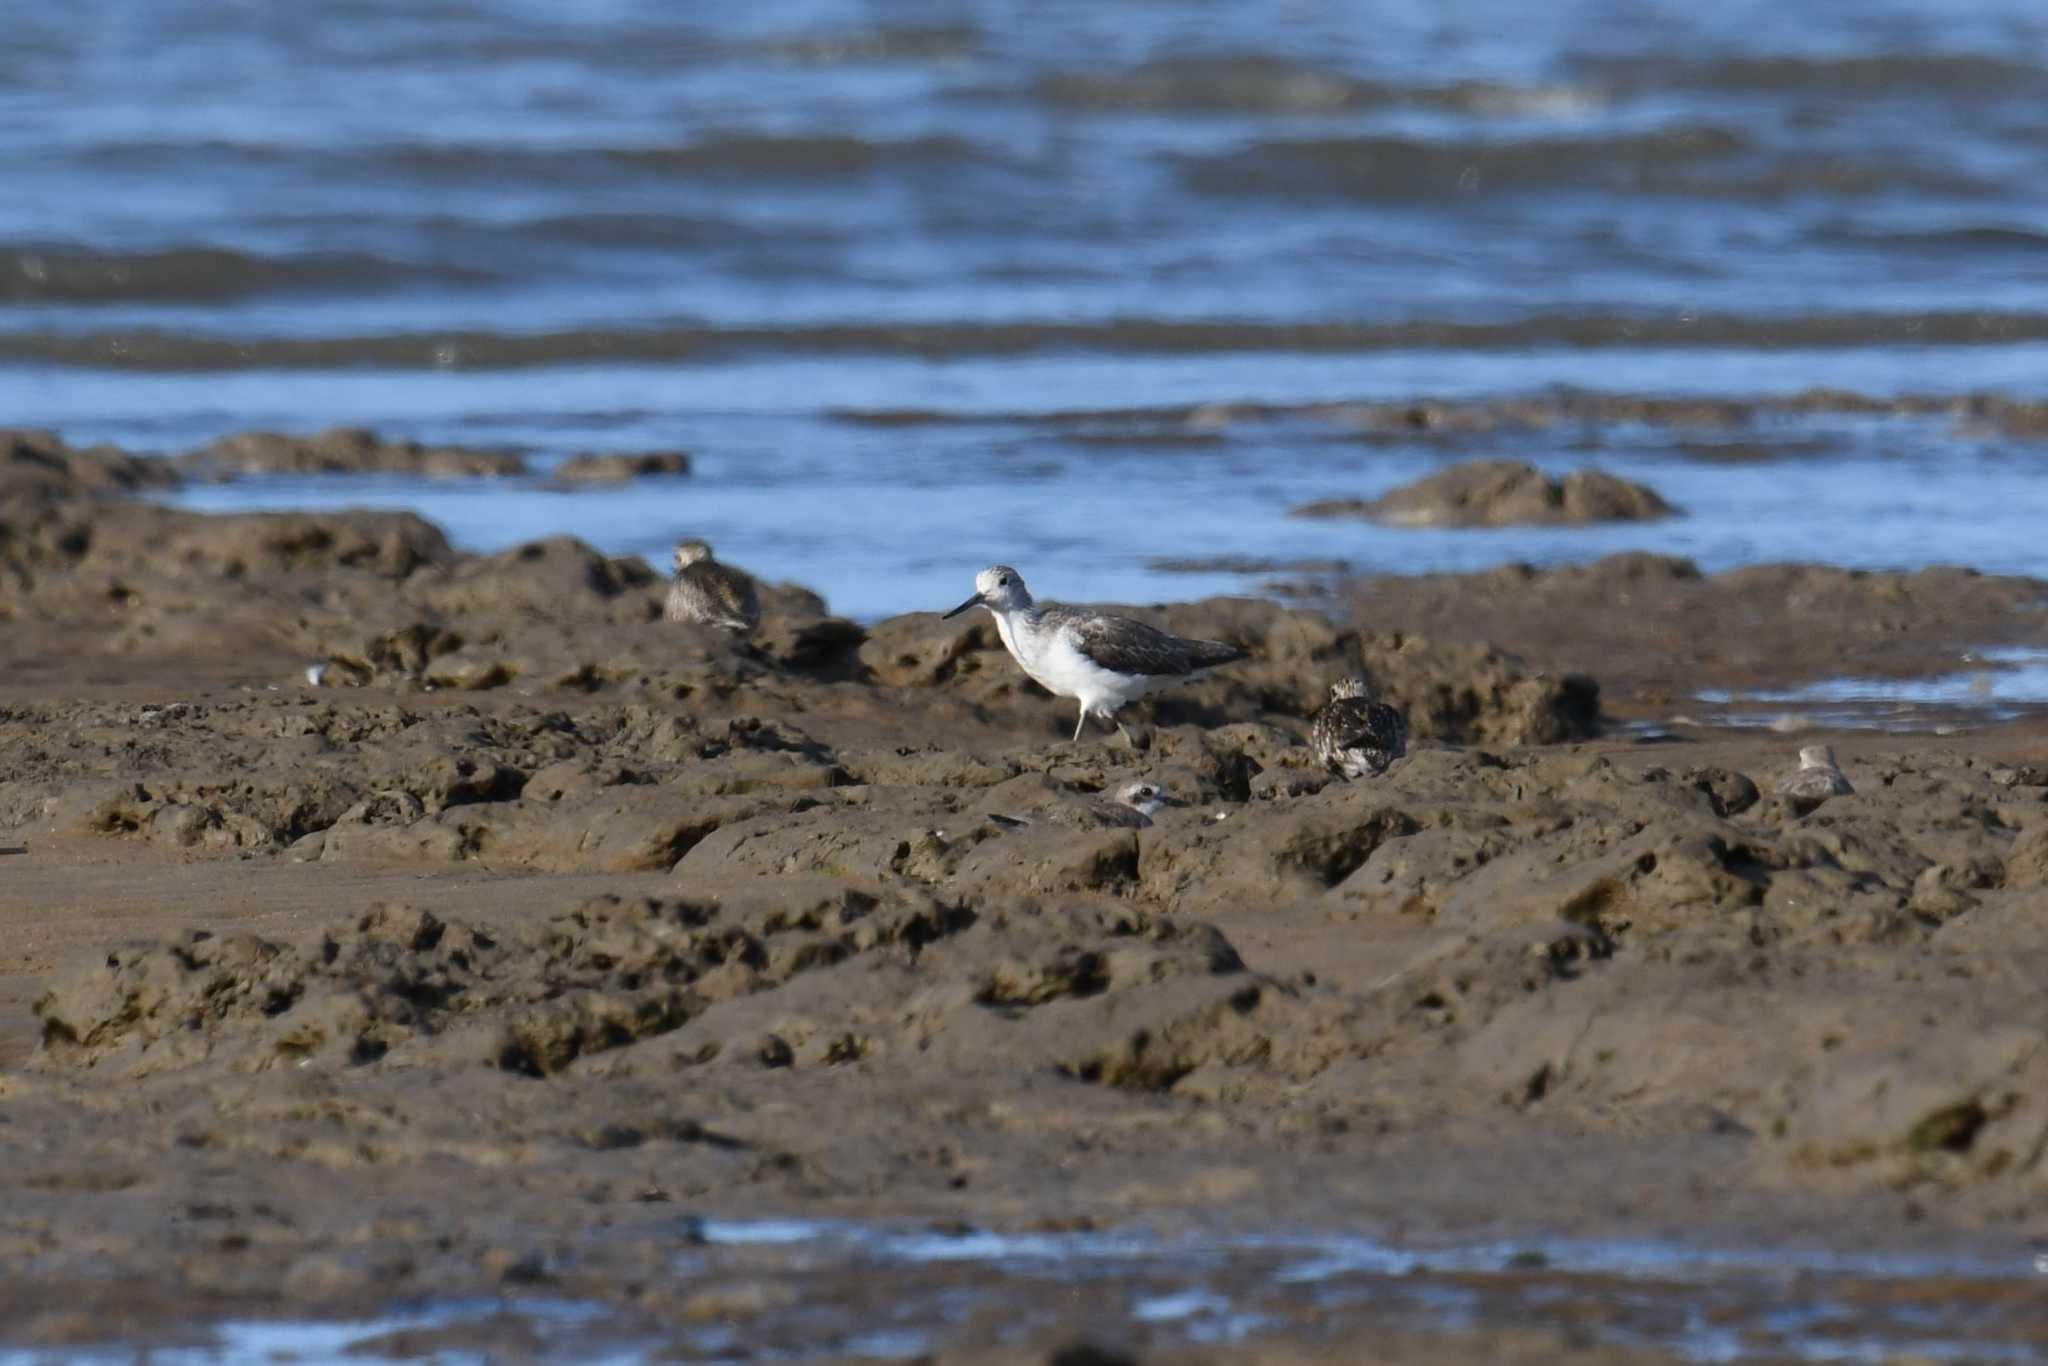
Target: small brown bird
(1816,779)
(706,591)
(1355,735)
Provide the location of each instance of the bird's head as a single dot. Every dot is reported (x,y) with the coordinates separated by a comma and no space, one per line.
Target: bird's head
(998,588)
(1145,798)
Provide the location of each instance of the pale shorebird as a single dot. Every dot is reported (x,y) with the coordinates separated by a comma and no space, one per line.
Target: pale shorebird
(1355,734)
(709,592)
(1102,661)
(1817,778)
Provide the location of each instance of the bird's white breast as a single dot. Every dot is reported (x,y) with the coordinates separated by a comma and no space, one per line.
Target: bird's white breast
(1032,646)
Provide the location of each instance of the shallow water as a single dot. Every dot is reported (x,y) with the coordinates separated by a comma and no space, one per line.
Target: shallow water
(889,1292)
(728,230)
(2002,684)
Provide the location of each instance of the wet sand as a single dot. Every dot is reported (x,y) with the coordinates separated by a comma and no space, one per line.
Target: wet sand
(527,932)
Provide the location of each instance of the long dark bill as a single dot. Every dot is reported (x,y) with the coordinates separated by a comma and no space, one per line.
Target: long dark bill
(974,601)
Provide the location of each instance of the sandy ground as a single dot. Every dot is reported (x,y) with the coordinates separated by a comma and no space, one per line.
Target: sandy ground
(527,931)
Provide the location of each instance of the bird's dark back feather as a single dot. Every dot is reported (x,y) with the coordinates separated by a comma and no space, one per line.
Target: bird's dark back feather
(1124,646)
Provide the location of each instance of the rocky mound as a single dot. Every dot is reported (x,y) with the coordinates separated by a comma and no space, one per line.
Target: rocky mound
(340,450)
(618,468)
(38,462)
(1560,934)
(1501,493)
(399,984)
(1657,630)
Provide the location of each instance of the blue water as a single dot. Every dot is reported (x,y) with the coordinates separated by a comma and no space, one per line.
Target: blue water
(635,225)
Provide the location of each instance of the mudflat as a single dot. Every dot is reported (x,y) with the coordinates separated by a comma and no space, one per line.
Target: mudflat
(391,925)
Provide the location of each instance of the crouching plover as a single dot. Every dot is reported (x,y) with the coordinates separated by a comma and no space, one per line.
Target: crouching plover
(709,592)
(1133,809)
(1102,661)
(1135,805)
(1356,735)
(1816,779)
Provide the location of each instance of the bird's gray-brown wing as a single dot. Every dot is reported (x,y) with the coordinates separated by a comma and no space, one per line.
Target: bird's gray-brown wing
(732,589)
(1124,646)
(736,588)
(716,593)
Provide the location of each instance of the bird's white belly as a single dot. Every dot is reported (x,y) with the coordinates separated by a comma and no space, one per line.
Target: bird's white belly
(1068,672)
(1053,662)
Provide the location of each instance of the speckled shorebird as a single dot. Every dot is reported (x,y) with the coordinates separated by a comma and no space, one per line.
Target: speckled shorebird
(1817,778)
(1100,660)
(1356,735)
(706,591)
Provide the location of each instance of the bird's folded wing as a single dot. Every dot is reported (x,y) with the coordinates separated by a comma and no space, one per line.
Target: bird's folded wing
(1344,722)
(1124,646)
(1365,725)
(733,588)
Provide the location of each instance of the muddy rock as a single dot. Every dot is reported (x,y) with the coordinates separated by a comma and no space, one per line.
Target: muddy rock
(921,651)
(361,988)
(550,578)
(1501,493)
(813,643)
(618,468)
(41,538)
(158,581)
(1085,991)
(385,827)
(1656,631)
(226,815)
(1051,859)
(863,842)
(388,545)
(339,450)
(398,653)
(39,461)
(597,976)
(2026,865)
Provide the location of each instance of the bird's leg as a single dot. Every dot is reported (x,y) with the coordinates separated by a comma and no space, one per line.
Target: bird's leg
(1080,723)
